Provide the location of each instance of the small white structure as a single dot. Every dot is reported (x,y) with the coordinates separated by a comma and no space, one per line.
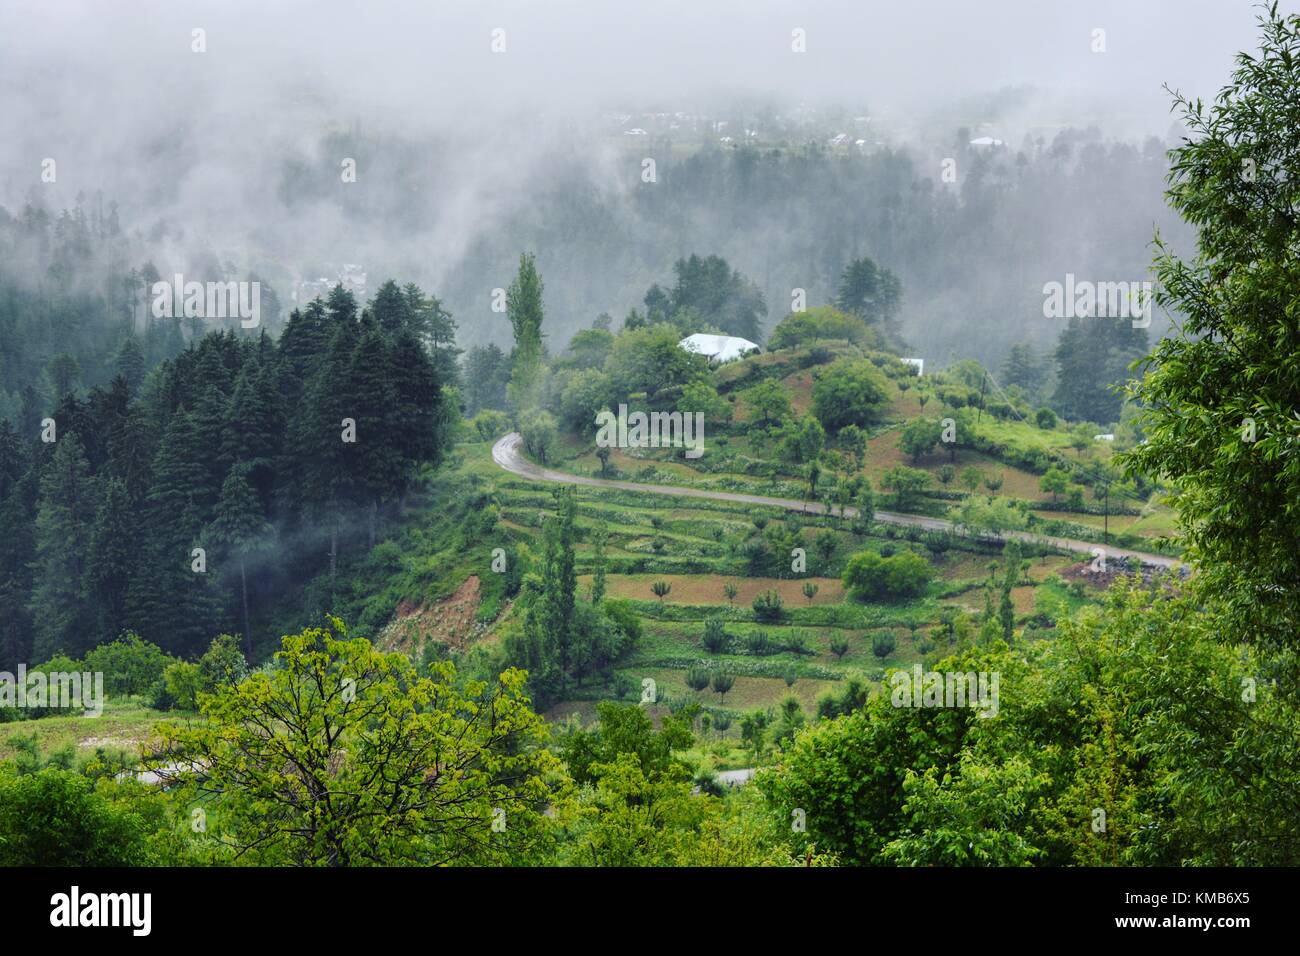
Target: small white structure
(719,348)
(1109,436)
(985,141)
(919,363)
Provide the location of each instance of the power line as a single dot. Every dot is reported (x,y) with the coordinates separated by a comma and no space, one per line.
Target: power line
(1096,476)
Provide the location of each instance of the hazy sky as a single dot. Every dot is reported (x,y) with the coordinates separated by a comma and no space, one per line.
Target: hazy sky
(92,70)
(198,143)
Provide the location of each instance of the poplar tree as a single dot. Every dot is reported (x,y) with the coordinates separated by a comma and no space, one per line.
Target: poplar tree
(524,309)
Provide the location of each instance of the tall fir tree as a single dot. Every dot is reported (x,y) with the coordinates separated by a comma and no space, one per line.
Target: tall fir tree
(60,605)
(253,431)
(172,603)
(239,530)
(17,552)
(112,557)
(325,464)
(487,373)
(392,307)
(1092,361)
(369,398)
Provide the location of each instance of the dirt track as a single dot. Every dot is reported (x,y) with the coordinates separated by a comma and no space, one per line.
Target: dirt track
(506,453)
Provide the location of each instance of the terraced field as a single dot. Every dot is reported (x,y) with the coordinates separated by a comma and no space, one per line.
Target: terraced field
(695,544)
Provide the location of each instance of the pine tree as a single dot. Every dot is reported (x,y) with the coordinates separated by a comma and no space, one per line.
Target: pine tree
(179,472)
(417,418)
(324,465)
(13,458)
(112,556)
(127,440)
(563,585)
(869,291)
(253,433)
(487,372)
(60,599)
(1023,367)
(1092,359)
(369,394)
(168,602)
(302,345)
(209,421)
(341,307)
(391,308)
(17,551)
(240,530)
(129,362)
(434,326)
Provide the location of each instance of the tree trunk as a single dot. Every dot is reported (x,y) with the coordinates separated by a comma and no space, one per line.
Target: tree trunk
(243,585)
(334,548)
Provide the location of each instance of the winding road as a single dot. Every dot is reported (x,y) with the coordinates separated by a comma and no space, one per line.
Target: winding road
(507,455)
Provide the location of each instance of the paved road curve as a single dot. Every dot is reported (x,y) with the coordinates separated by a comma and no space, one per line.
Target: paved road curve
(506,453)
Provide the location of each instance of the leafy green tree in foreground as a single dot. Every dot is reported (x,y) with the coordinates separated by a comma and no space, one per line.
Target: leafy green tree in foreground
(343,755)
(1138,710)
(57,817)
(1219,400)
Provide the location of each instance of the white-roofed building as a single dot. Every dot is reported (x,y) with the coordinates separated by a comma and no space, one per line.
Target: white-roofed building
(719,348)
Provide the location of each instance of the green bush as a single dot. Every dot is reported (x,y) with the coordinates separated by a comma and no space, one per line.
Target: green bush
(183,681)
(59,818)
(130,665)
(823,322)
(768,607)
(620,613)
(849,392)
(697,678)
(869,576)
(715,638)
(797,643)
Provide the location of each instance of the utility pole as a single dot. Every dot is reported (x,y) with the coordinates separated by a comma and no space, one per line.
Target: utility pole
(1105,521)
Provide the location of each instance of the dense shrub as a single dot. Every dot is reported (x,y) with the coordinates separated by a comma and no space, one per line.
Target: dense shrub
(715,638)
(59,818)
(769,607)
(824,322)
(849,392)
(129,665)
(869,576)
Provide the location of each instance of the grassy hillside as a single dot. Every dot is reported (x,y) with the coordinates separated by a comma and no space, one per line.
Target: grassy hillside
(431,590)
(998,449)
